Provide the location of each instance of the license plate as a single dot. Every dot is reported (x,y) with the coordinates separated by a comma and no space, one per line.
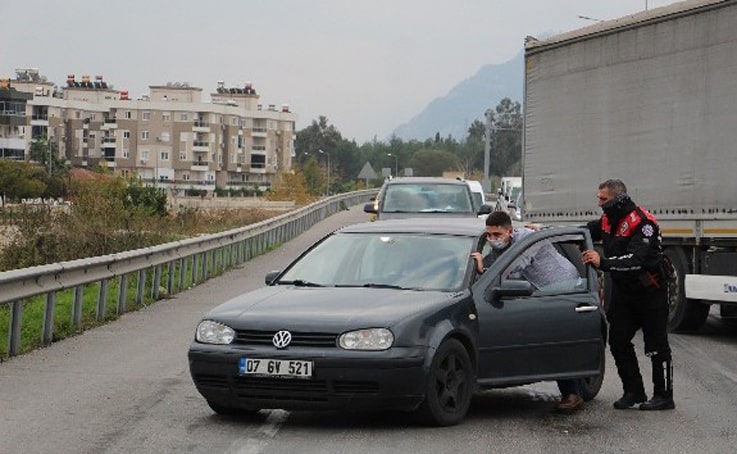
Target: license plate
(275,367)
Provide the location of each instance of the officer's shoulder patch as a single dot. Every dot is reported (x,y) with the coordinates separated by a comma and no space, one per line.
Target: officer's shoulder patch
(648,230)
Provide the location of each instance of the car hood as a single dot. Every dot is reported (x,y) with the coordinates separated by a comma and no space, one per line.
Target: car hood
(327,309)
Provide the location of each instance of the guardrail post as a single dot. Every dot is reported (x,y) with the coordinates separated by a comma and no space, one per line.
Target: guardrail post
(48,322)
(77,307)
(205,267)
(102,300)
(182,273)
(156,283)
(195,269)
(170,278)
(141,287)
(122,293)
(16,319)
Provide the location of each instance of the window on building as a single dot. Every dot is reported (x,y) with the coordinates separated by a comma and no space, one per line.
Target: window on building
(183,155)
(126,153)
(164,136)
(126,134)
(184,117)
(144,135)
(185,176)
(143,153)
(183,136)
(166,116)
(163,155)
(146,116)
(128,115)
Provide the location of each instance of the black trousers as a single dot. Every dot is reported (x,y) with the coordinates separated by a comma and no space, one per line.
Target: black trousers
(629,312)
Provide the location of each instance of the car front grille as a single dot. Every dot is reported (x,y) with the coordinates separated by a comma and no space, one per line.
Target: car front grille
(285,389)
(298,389)
(299,339)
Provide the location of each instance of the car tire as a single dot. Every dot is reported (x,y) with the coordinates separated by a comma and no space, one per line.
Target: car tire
(591,386)
(450,385)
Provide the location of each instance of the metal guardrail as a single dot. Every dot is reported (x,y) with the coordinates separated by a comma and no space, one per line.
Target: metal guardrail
(197,258)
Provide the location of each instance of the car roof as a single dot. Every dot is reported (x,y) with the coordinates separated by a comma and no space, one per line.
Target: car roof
(426,225)
(425,180)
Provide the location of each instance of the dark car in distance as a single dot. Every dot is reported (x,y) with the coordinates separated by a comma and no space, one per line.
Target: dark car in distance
(406,197)
(393,315)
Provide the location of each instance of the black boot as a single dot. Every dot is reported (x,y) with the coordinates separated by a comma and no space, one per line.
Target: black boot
(663,387)
(658,402)
(628,400)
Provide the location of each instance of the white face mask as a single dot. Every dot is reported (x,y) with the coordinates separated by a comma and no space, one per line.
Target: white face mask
(499,244)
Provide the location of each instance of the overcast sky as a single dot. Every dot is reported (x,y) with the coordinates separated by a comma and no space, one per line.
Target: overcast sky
(368,65)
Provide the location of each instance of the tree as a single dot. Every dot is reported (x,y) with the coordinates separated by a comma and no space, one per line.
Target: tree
(289,186)
(314,179)
(432,163)
(506,138)
(42,150)
(20,180)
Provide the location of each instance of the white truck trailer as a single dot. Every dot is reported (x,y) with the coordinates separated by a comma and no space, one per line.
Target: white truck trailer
(650,99)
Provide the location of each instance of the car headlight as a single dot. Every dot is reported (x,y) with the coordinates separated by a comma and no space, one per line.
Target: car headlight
(210,332)
(367,339)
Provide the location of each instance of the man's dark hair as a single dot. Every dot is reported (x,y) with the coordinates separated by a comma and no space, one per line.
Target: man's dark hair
(499,219)
(614,186)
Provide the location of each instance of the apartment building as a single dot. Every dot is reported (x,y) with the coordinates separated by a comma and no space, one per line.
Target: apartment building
(169,137)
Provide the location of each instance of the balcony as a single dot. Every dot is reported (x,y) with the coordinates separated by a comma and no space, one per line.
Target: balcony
(201,146)
(258,132)
(258,149)
(258,167)
(39,120)
(200,126)
(200,166)
(108,142)
(109,123)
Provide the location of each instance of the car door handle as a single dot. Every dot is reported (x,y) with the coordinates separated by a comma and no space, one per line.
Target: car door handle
(586,308)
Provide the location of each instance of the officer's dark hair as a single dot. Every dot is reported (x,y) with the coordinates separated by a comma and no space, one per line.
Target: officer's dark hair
(499,219)
(614,186)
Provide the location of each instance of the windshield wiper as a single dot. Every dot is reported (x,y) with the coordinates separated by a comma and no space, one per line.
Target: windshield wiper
(376,285)
(301,283)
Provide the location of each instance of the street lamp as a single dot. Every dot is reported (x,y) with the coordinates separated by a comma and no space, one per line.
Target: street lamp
(327,186)
(396,164)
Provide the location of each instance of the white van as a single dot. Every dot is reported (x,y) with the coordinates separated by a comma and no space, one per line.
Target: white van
(477,191)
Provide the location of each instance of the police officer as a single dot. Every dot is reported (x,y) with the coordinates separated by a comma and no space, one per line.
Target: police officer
(633,256)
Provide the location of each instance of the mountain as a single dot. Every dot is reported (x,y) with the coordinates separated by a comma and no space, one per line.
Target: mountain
(453,113)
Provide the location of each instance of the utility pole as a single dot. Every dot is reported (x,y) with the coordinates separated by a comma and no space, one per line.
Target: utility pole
(486,182)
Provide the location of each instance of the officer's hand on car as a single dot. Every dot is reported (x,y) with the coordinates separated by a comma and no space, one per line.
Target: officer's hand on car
(591,257)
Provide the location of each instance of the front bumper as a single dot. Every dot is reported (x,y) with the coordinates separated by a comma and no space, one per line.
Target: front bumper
(341,380)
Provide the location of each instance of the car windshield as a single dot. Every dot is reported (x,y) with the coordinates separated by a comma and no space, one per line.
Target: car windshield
(405,261)
(427,198)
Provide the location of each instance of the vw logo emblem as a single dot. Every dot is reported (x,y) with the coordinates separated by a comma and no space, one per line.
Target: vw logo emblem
(282,339)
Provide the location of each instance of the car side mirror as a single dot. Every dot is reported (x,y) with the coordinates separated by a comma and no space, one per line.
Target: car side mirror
(509,288)
(369,208)
(484,209)
(270,276)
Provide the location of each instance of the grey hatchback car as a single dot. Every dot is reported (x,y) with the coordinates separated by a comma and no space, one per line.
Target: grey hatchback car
(392,315)
(407,197)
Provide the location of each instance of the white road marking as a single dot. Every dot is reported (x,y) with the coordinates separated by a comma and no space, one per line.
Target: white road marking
(267,431)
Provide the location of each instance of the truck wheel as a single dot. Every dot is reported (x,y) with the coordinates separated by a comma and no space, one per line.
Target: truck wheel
(683,314)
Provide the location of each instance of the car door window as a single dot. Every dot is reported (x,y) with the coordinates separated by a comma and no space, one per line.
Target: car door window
(551,265)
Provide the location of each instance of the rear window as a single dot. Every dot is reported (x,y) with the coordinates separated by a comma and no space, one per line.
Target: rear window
(427,198)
